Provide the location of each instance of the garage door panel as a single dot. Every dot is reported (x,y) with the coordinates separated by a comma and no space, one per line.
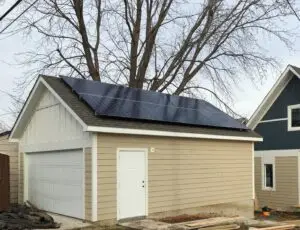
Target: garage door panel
(56,180)
(68,192)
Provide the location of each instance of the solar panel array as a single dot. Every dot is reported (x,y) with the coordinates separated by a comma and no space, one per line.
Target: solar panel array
(130,103)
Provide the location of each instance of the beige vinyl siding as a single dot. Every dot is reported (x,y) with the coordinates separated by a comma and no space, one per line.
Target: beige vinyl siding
(183,173)
(88,183)
(11,149)
(286,178)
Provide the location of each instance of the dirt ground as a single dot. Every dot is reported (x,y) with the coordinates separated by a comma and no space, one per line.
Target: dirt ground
(278,216)
(185,218)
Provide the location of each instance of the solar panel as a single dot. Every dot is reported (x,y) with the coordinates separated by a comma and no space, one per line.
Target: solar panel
(130,103)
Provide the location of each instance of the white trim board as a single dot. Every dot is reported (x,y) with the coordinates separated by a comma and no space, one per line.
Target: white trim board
(25,177)
(274,120)
(273,94)
(94,178)
(168,133)
(33,91)
(298,177)
(253,172)
(278,153)
(53,146)
(83,182)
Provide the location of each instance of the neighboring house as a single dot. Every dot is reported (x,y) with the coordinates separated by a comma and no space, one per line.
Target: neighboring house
(104,152)
(277,158)
(11,149)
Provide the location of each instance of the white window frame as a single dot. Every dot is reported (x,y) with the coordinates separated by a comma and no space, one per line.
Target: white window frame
(290,108)
(268,160)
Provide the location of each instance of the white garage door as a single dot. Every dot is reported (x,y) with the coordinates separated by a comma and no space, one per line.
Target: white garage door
(55,182)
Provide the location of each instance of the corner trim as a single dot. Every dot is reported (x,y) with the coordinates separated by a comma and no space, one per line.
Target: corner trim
(25,176)
(168,133)
(253,172)
(94,177)
(298,177)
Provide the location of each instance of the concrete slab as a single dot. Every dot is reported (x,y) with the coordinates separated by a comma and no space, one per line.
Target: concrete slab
(68,223)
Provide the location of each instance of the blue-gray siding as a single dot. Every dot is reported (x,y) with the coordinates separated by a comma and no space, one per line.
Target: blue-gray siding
(275,134)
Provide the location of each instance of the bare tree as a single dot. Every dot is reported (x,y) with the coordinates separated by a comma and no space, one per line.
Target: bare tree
(173,46)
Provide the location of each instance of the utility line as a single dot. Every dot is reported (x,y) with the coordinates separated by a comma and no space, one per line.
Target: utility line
(23,12)
(10,9)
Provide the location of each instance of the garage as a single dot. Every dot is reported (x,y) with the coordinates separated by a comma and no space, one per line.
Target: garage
(55,181)
(102,152)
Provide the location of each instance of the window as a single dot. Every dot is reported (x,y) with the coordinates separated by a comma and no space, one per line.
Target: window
(294,117)
(268,172)
(268,169)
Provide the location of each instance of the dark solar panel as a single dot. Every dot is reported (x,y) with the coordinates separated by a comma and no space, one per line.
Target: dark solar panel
(123,102)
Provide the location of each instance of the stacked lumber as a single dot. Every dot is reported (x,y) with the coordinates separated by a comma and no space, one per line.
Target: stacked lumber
(26,216)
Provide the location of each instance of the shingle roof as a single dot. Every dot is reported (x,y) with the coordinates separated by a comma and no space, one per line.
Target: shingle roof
(88,116)
(5,133)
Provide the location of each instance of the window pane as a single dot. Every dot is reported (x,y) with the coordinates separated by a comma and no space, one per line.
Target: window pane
(296,117)
(269,175)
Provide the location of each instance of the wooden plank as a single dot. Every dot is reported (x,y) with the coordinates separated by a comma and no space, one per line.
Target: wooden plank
(222,227)
(211,222)
(281,227)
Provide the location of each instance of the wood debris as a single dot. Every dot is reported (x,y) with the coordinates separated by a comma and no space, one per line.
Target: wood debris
(26,216)
(222,227)
(279,227)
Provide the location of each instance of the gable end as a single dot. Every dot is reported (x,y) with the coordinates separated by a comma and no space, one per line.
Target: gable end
(33,102)
(271,97)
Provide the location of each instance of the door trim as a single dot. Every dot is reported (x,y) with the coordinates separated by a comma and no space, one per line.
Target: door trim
(145,150)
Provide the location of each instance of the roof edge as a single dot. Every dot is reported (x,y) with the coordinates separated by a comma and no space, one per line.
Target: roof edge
(272,95)
(99,129)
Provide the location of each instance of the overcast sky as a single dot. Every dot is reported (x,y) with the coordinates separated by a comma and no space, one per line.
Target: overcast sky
(246,98)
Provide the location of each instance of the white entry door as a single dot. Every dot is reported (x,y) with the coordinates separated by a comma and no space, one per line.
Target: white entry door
(132,166)
(56,180)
